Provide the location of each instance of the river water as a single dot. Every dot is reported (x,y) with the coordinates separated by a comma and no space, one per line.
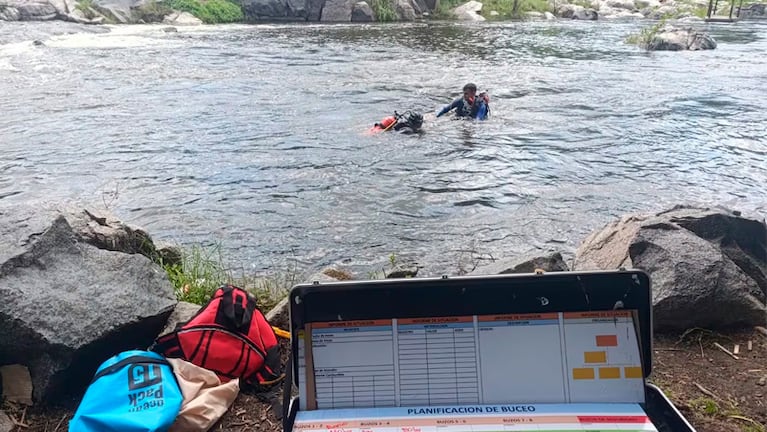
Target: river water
(253,136)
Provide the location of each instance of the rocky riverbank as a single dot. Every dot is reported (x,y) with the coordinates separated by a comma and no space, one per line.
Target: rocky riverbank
(78,286)
(192,12)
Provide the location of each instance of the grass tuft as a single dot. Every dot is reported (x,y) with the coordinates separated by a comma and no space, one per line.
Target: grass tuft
(384,10)
(511,9)
(203,270)
(151,11)
(210,11)
(646,35)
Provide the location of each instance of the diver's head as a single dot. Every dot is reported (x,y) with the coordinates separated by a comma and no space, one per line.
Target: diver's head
(469,91)
(415,120)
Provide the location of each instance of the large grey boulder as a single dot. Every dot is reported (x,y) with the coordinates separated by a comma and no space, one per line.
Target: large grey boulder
(257,10)
(181,19)
(469,11)
(27,10)
(622,4)
(183,312)
(708,266)
(578,12)
(405,10)
(431,5)
(120,10)
(755,10)
(679,39)
(362,12)
(337,11)
(314,9)
(420,7)
(70,298)
(526,264)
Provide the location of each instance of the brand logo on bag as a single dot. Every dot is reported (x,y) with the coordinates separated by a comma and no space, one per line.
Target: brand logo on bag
(145,387)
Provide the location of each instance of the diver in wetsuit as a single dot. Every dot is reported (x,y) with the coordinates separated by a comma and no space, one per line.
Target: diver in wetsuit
(470,105)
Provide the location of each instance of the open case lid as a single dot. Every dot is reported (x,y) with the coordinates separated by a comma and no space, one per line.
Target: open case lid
(478,295)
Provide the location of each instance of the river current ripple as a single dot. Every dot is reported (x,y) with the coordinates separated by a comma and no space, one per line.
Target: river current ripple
(252,136)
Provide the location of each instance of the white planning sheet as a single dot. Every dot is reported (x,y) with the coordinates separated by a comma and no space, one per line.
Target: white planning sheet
(579,357)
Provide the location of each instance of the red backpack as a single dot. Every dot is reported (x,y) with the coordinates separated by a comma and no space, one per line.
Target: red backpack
(229,336)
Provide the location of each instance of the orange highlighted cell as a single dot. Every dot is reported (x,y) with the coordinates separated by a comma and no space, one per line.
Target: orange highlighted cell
(519,317)
(597,314)
(583,373)
(609,373)
(607,340)
(435,320)
(348,324)
(633,372)
(595,357)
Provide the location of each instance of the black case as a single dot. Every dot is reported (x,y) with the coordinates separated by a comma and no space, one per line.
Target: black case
(486,295)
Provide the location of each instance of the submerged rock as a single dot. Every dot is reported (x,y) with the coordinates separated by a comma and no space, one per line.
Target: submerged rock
(708,267)
(73,294)
(402,271)
(680,39)
(469,11)
(526,264)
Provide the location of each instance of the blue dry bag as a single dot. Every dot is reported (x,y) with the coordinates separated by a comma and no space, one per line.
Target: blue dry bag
(135,391)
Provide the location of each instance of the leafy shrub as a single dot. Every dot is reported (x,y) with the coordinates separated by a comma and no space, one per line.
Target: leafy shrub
(646,35)
(210,11)
(384,10)
(151,11)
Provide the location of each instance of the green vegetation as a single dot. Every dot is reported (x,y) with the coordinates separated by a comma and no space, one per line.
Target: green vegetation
(86,7)
(725,409)
(444,8)
(383,10)
(151,11)
(210,11)
(513,8)
(507,9)
(646,35)
(202,271)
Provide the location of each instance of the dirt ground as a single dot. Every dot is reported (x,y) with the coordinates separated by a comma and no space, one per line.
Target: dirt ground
(714,391)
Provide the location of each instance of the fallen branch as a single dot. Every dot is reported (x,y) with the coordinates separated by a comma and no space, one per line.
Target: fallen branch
(18,423)
(761,330)
(670,349)
(242,423)
(745,419)
(64,417)
(705,391)
(726,351)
